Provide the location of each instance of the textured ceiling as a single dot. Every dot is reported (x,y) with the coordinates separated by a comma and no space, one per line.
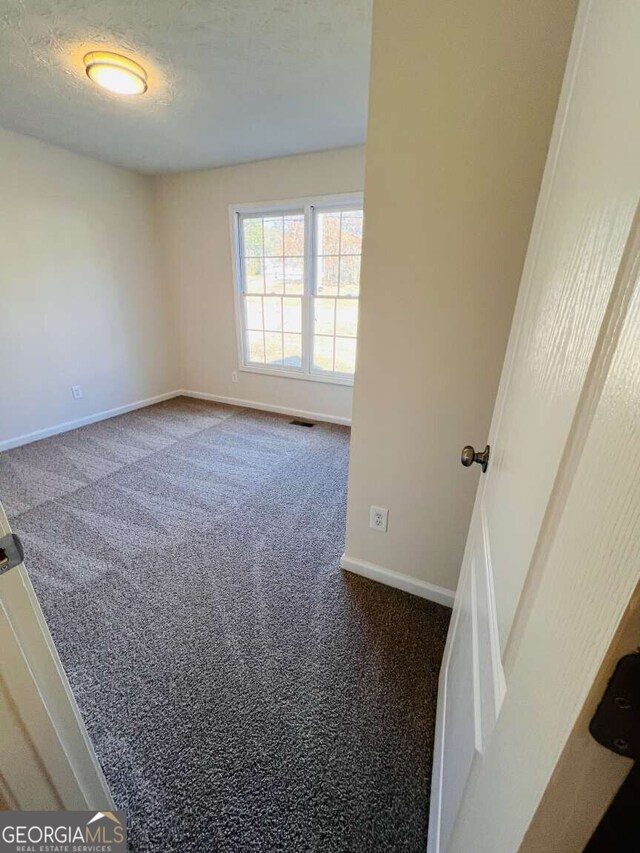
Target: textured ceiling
(229,80)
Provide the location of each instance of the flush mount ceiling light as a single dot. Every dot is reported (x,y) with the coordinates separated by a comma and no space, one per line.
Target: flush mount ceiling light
(116,73)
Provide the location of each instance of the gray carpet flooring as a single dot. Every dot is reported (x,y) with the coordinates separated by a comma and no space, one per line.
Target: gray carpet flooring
(243,694)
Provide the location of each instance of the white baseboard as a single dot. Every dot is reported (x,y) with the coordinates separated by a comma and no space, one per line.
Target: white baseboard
(395,579)
(266,407)
(28,437)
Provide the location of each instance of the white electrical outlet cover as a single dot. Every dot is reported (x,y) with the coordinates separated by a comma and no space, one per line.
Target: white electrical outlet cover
(379,518)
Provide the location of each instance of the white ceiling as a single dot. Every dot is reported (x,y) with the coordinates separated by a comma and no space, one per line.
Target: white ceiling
(230,81)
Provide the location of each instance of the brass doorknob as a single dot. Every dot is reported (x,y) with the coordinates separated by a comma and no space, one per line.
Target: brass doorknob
(469,456)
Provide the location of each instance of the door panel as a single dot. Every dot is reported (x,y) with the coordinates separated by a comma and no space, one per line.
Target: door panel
(551,361)
(471,685)
(587,214)
(491,686)
(569,292)
(47,760)
(460,735)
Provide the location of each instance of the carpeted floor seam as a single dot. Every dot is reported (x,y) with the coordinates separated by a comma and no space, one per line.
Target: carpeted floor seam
(236,413)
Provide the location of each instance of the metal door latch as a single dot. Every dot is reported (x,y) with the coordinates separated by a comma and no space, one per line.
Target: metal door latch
(616,722)
(11,552)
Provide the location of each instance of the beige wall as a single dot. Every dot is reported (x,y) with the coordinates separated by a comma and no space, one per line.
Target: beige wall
(463,96)
(197,241)
(82,299)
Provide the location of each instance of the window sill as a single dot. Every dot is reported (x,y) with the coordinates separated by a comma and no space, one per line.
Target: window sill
(326,379)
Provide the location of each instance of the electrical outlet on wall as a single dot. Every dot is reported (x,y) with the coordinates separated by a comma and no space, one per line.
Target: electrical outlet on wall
(234,375)
(76,392)
(379,518)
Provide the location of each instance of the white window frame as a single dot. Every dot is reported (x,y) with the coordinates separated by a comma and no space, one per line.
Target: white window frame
(307,205)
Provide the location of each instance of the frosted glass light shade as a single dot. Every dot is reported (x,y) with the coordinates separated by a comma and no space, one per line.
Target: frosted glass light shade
(116,73)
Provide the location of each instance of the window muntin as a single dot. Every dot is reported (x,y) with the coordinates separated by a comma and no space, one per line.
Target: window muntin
(298,280)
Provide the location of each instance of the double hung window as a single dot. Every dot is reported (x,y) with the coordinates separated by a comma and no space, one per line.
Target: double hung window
(298,286)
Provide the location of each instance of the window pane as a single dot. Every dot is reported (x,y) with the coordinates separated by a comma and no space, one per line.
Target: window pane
(273,347)
(273,237)
(345,355)
(273,313)
(255,345)
(323,353)
(347,317)
(351,233)
(293,350)
(324,316)
(328,233)
(254,275)
(292,314)
(294,235)
(252,236)
(274,275)
(328,270)
(253,312)
(294,275)
(350,275)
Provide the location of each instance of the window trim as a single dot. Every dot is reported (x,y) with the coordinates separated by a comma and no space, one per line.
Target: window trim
(341,201)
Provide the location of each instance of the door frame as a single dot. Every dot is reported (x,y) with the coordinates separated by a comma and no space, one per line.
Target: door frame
(47,760)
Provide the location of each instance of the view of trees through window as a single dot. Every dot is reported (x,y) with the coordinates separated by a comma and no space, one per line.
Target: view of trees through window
(299,301)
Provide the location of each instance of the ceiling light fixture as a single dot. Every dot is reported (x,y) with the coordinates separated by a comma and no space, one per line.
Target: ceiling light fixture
(116,73)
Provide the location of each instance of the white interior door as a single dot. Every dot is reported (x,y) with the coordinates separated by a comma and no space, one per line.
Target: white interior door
(46,758)
(577,267)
